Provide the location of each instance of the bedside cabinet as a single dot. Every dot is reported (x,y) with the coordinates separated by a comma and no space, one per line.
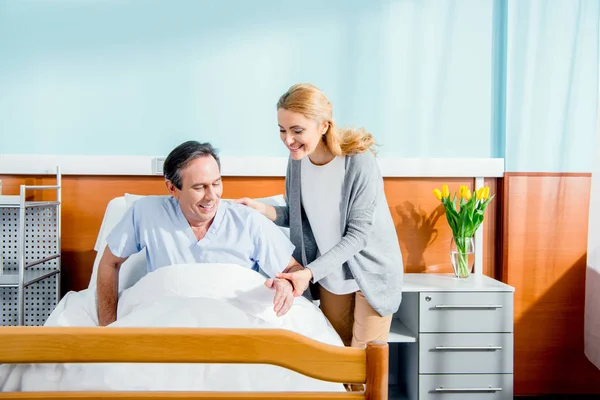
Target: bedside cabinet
(452,339)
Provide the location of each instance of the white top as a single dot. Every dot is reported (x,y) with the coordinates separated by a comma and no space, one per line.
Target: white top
(321,199)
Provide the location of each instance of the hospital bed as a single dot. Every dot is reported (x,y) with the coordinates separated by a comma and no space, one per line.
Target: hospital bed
(298,356)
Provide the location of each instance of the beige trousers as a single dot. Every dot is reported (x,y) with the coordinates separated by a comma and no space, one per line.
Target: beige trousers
(353,318)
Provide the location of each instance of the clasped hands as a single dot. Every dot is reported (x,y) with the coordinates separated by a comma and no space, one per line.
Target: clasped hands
(292,282)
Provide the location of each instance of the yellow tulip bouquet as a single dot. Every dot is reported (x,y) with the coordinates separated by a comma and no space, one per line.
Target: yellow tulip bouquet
(464,219)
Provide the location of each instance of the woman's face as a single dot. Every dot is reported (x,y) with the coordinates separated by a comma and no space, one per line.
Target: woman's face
(300,135)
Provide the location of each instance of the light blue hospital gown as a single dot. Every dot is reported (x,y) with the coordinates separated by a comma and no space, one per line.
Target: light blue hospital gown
(238,235)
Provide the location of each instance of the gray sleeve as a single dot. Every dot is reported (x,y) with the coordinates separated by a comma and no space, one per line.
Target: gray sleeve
(282,213)
(365,180)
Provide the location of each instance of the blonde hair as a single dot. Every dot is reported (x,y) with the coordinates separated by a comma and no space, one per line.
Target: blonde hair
(310,101)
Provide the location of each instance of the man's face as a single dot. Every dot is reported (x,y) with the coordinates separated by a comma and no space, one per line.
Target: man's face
(201,190)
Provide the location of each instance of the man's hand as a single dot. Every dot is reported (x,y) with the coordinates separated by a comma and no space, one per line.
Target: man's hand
(284,298)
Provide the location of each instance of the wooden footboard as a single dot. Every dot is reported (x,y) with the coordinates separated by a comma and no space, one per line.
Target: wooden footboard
(191,345)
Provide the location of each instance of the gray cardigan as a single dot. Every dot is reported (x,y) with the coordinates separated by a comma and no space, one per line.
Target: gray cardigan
(369,249)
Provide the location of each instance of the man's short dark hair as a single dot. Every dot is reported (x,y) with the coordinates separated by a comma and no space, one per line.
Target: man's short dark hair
(182,155)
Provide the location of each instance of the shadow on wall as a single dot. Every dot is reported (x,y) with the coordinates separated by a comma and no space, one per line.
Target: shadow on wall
(549,354)
(592,308)
(417,231)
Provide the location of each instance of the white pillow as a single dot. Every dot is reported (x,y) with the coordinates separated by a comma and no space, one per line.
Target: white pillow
(131,198)
(131,270)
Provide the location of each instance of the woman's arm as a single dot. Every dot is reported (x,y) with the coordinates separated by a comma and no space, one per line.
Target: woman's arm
(297,275)
(282,213)
(265,209)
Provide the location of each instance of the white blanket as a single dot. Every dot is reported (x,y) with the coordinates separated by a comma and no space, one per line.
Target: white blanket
(197,295)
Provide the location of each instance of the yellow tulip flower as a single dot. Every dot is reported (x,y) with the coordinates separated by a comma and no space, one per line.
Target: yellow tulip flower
(479,193)
(437,193)
(445,191)
(465,193)
(486,192)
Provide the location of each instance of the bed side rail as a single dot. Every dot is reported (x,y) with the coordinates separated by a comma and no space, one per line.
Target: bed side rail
(34,345)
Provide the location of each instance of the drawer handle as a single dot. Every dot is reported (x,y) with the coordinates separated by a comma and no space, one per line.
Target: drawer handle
(470,390)
(468,348)
(468,306)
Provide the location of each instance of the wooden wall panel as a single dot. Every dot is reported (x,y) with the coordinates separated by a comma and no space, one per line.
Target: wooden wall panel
(546,220)
(422,229)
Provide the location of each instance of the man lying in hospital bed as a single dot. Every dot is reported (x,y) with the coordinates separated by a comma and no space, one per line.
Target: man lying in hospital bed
(211,282)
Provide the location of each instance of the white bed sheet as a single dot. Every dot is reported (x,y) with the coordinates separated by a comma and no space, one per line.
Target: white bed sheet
(194,295)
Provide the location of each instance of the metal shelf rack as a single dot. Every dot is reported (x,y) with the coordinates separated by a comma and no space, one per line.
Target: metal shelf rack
(31,253)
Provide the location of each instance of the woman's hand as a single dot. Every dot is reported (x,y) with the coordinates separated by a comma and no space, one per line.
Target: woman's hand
(257,205)
(265,209)
(293,267)
(299,279)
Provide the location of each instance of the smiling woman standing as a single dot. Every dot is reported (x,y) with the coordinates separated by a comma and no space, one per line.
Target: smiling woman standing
(339,218)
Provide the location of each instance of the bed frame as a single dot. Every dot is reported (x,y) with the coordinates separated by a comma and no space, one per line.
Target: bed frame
(197,345)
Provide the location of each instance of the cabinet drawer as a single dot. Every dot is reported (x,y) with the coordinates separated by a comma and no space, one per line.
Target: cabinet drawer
(466,387)
(468,353)
(466,312)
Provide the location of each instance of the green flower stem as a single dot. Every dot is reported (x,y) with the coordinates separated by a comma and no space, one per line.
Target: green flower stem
(462,256)
(463,260)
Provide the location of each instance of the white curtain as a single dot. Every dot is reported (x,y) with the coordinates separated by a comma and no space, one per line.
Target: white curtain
(551,84)
(592,281)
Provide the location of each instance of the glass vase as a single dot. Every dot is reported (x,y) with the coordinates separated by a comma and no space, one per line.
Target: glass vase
(462,255)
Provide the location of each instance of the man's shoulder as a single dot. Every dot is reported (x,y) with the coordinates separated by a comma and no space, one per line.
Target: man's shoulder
(247,216)
(152,204)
